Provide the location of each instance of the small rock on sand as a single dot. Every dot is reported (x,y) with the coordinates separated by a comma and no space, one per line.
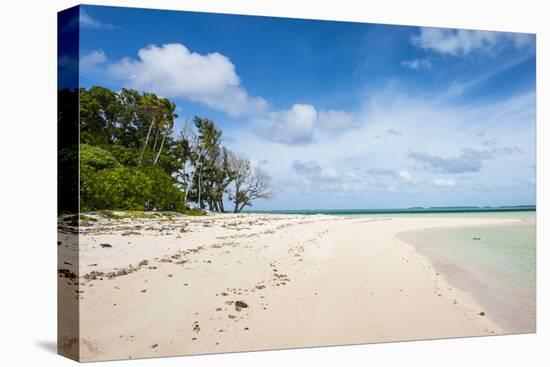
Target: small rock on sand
(105,245)
(196,327)
(240,305)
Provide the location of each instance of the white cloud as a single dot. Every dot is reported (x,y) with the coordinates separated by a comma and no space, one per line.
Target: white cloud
(417,64)
(328,173)
(87,22)
(173,71)
(92,59)
(335,120)
(445,183)
(405,175)
(306,168)
(297,125)
(294,126)
(469,160)
(394,132)
(460,42)
(313,171)
(380,172)
(427,123)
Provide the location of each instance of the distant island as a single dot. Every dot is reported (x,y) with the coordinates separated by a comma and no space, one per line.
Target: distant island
(417,210)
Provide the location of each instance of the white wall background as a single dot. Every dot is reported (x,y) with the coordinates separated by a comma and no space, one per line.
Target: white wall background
(28,181)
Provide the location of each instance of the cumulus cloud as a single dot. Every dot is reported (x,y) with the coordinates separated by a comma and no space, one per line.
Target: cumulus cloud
(461,42)
(417,64)
(444,182)
(173,71)
(380,172)
(92,59)
(335,120)
(293,127)
(88,22)
(451,128)
(394,132)
(297,125)
(328,173)
(469,160)
(507,150)
(314,170)
(306,168)
(405,176)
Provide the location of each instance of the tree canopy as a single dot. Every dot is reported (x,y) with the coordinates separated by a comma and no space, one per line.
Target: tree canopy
(132,159)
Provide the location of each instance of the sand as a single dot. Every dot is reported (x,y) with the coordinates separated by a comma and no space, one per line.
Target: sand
(225,283)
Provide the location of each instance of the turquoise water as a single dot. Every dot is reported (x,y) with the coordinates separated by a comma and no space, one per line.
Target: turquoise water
(506,210)
(496,264)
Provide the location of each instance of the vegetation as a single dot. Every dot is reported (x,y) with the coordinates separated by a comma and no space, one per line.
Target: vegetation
(131,159)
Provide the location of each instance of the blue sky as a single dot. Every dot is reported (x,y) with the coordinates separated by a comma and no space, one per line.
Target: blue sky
(340,115)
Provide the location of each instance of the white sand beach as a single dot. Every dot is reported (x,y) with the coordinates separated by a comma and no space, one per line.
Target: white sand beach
(222,283)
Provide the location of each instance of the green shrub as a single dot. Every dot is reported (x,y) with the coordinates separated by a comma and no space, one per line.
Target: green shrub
(164,195)
(121,188)
(126,156)
(106,184)
(96,158)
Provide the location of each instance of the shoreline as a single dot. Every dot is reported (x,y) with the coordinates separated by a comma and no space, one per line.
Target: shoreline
(491,298)
(195,285)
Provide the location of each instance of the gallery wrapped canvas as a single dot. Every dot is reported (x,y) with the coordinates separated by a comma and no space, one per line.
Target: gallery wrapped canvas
(239,183)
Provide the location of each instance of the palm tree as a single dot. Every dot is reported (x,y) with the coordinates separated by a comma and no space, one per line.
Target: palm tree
(167,122)
(150,106)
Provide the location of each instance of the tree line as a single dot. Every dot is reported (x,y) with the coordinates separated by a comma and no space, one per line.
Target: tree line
(132,158)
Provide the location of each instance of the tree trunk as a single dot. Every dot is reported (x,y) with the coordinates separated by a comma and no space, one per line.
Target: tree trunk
(156,138)
(220,205)
(236,210)
(146,141)
(183,173)
(201,202)
(160,149)
(192,176)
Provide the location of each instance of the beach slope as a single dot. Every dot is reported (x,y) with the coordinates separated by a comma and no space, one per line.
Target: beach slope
(166,286)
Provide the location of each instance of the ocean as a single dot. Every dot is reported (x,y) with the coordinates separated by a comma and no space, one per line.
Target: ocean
(496,264)
(456,211)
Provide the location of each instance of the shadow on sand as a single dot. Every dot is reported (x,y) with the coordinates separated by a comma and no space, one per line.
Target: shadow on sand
(48,345)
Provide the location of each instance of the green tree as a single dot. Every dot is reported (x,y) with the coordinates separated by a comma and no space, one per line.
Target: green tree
(99,114)
(166,123)
(151,109)
(130,159)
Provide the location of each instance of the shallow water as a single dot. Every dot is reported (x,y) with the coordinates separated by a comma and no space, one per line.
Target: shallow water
(496,264)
